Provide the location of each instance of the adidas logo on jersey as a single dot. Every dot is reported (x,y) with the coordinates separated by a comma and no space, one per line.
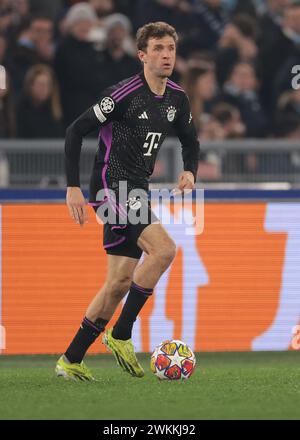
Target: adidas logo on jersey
(143,116)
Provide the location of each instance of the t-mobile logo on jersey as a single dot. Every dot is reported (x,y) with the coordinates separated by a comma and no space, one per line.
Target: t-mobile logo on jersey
(153,137)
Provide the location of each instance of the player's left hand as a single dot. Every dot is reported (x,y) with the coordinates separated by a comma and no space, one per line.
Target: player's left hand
(186,181)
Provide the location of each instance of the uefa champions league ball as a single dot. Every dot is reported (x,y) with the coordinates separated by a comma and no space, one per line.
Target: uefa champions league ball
(173,360)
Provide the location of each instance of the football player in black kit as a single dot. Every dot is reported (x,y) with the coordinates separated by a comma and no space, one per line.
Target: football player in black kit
(134,117)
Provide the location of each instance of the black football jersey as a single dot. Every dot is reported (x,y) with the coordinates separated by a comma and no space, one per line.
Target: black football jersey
(133,124)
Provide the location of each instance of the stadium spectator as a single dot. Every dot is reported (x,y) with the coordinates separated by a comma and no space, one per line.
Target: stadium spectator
(270,21)
(291,30)
(240,90)
(224,123)
(200,86)
(6,17)
(250,7)
(289,102)
(157,10)
(233,128)
(34,45)
(278,55)
(42,37)
(260,8)
(211,130)
(16,12)
(118,59)
(7,112)
(127,7)
(210,165)
(78,66)
(229,118)
(103,8)
(51,8)
(202,59)
(39,111)
(3,49)
(287,126)
(238,42)
(202,26)
(21,10)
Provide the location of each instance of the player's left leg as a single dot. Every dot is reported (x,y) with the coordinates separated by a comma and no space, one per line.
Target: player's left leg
(99,312)
(160,251)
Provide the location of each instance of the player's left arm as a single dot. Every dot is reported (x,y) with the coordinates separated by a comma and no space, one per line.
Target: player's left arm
(186,132)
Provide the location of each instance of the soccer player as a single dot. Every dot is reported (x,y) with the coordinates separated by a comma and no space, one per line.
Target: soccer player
(134,117)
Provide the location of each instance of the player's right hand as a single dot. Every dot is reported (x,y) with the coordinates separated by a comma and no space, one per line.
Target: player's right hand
(76,205)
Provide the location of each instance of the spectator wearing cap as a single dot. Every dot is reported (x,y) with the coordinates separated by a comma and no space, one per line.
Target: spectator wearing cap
(77,64)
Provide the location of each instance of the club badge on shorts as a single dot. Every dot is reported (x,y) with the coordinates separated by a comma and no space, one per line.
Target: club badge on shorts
(134,203)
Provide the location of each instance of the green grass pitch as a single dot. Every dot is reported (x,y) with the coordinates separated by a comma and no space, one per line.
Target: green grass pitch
(224,386)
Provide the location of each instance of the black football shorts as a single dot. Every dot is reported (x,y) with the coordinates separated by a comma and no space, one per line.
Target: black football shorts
(120,237)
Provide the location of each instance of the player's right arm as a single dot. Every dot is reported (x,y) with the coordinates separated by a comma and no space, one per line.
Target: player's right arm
(86,123)
(82,126)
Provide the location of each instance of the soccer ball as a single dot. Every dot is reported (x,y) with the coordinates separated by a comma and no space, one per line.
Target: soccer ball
(173,360)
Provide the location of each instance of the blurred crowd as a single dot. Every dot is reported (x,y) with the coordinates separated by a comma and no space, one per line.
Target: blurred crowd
(235,61)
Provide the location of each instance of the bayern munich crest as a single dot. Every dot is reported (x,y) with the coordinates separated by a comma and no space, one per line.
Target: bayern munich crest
(107,105)
(134,203)
(171,112)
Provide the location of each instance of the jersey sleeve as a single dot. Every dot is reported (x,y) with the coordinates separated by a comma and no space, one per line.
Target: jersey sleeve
(186,132)
(106,110)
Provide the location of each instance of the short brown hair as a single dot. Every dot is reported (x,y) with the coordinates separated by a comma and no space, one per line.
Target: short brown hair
(158,29)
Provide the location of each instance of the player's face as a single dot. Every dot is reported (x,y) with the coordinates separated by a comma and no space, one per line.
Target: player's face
(159,57)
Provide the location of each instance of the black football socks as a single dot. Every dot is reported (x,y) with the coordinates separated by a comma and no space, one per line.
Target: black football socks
(84,338)
(135,301)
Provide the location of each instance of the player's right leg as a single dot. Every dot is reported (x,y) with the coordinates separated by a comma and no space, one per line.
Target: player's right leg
(119,277)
